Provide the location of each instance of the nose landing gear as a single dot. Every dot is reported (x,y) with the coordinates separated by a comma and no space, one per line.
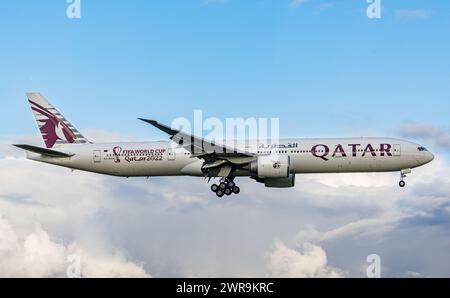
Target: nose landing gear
(403,173)
(225,187)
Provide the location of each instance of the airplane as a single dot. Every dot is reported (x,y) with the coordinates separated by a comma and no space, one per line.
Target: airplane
(275,164)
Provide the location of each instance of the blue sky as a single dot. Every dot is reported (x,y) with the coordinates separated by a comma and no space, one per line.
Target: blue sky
(323,67)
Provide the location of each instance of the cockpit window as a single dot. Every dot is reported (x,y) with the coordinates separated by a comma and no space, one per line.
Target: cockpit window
(421,149)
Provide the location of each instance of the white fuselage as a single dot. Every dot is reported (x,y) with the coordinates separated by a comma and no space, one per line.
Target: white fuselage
(339,155)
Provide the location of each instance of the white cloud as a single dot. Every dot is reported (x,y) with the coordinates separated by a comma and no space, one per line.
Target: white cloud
(358,228)
(325,6)
(412,274)
(439,137)
(113,265)
(378,192)
(412,14)
(36,195)
(296,3)
(206,2)
(33,256)
(308,262)
(36,255)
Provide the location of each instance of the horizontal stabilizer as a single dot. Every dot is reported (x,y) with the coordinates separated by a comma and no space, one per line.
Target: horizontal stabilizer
(44,151)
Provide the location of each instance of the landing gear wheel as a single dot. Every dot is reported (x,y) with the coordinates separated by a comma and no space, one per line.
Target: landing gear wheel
(403,174)
(214,187)
(226,187)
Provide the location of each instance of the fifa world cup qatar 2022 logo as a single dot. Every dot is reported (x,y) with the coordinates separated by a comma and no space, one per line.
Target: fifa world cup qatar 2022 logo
(138,155)
(117,151)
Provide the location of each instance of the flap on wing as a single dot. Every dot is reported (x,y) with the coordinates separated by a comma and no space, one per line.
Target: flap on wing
(225,171)
(44,151)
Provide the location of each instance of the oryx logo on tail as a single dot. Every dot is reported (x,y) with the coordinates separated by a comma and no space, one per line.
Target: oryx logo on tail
(55,129)
(51,127)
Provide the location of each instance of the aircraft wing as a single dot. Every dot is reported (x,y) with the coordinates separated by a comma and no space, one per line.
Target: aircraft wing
(219,160)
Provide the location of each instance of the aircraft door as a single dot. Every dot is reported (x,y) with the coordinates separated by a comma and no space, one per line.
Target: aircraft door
(397,150)
(97,156)
(171,154)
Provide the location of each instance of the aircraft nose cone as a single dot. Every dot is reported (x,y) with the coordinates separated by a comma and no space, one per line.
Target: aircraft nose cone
(430,157)
(424,158)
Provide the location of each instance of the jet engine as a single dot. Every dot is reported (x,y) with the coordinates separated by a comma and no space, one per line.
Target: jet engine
(271,166)
(273,170)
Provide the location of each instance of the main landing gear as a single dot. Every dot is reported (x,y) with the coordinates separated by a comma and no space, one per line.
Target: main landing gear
(226,187)
(403,174)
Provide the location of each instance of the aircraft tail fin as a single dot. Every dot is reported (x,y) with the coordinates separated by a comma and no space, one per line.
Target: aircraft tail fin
(55,129)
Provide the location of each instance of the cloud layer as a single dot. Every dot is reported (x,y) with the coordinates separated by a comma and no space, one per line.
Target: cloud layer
(174,227)
(36,255)
(310,261)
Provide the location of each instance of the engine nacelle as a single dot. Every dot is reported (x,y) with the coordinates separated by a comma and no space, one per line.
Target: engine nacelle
(272,166)
(280,182)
